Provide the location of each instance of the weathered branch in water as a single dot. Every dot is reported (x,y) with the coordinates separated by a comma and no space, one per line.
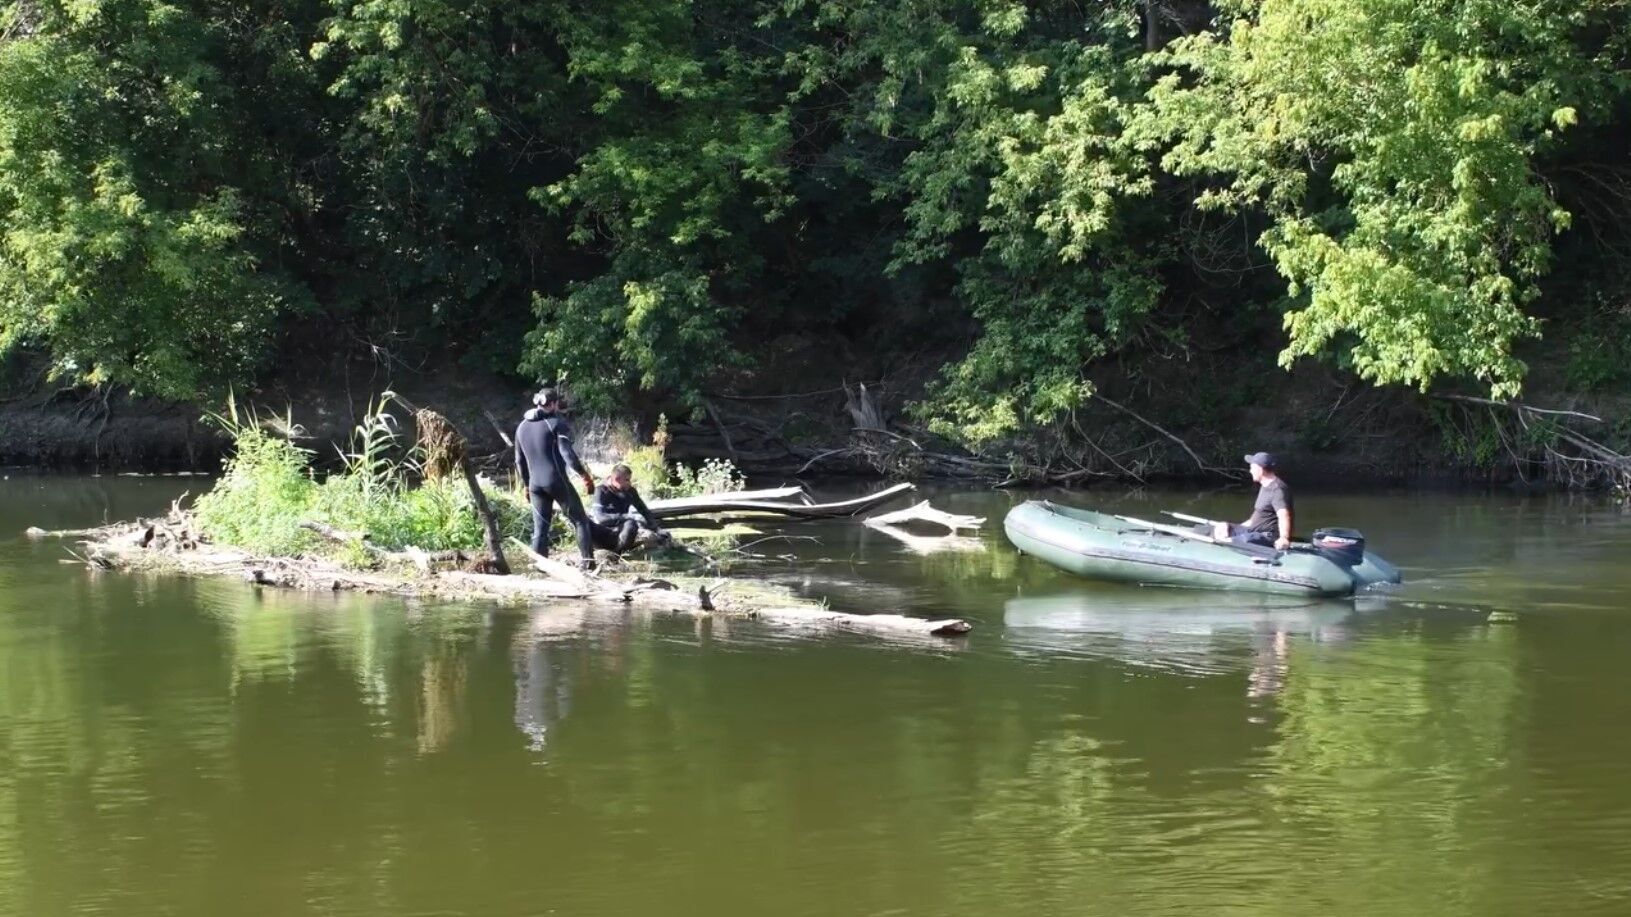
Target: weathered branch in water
(893,524)
(36,533)
(924,512)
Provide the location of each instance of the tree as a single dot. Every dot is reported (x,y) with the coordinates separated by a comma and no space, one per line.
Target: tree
(1394,148)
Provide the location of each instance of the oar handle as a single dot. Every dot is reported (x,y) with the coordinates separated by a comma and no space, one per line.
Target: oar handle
(1188,518)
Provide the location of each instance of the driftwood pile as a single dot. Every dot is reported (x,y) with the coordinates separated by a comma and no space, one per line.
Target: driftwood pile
(794,503)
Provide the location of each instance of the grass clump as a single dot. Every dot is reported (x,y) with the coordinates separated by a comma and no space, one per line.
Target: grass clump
(269,488)
(265,490)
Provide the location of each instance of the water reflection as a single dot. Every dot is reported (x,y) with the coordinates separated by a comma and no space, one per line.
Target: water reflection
(543,653)
(1172,629)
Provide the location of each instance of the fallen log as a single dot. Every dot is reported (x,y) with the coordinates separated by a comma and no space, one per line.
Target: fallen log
(679,506)
(835,510)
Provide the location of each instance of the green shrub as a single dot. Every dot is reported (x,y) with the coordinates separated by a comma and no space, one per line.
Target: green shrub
(652,475)
(714,476)
(268,489)
(264,493)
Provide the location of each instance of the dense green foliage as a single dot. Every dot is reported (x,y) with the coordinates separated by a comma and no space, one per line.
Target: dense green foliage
(637,195)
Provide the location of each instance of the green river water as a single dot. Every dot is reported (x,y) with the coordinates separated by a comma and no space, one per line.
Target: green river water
(178,747)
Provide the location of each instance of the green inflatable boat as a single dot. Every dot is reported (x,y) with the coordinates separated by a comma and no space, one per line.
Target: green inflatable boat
(1128,550)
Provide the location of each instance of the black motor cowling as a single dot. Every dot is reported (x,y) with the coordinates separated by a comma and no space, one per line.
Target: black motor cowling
(1342,546)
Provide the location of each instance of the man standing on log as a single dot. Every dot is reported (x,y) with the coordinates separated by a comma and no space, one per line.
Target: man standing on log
(543,455)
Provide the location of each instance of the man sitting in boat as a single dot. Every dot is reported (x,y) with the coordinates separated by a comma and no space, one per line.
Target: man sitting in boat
(618,512)
(1270,521)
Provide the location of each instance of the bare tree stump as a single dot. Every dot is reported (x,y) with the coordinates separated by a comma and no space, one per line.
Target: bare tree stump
(444,449)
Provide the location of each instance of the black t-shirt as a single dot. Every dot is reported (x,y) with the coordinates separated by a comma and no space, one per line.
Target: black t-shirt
(1272,497)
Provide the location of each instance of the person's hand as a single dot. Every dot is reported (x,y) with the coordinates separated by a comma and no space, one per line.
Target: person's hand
(1281,544)
(588,484)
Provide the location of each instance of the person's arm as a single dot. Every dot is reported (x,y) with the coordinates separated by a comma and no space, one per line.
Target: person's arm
(1285,528)
(563,442)
(640,505)
(521,460)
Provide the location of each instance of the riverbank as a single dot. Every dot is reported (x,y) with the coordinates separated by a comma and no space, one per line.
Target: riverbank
(1177,419)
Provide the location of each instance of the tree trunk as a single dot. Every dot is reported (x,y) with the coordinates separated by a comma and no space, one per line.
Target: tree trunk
(495,545)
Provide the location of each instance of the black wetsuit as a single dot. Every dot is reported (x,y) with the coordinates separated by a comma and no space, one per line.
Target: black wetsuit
(617,515)
(543,454)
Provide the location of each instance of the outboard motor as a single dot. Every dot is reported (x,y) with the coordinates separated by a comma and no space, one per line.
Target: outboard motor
(1344,547)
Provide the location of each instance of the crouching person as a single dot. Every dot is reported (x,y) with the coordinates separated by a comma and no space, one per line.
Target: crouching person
(619,513)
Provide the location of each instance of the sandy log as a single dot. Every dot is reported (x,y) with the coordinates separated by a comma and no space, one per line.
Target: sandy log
(342,536)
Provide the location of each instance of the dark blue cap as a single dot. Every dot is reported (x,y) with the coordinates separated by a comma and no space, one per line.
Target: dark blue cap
(1265,459)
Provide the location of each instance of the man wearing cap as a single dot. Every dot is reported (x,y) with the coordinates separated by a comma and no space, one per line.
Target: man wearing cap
(1270,521)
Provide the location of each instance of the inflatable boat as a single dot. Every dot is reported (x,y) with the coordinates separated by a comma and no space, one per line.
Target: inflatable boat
(1122,549)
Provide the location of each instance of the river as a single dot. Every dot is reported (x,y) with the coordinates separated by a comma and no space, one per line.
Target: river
(178,747)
